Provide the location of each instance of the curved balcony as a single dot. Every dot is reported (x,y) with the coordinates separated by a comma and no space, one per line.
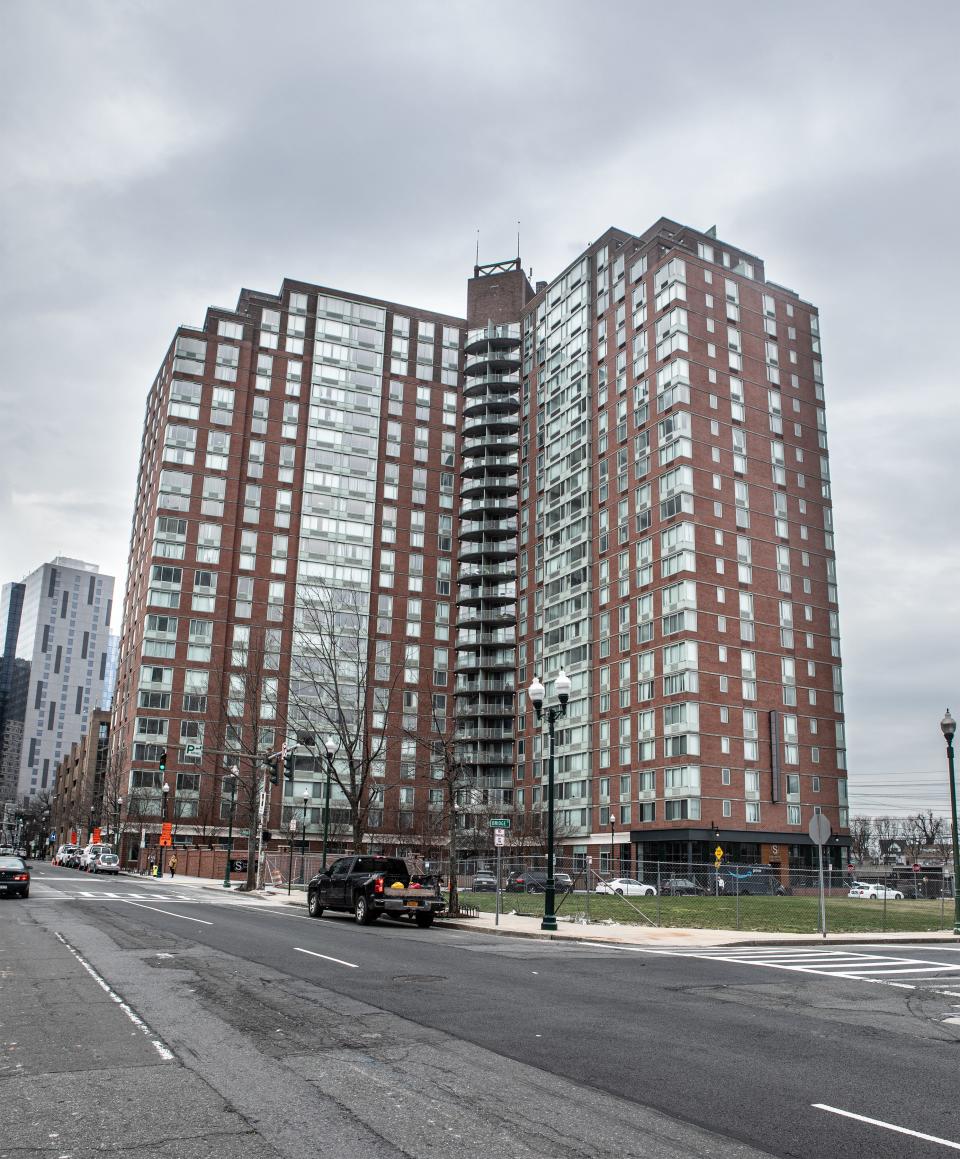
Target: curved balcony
(492,466)
(492,362)
(492,638)
(493,381)
(480,661)
(473,486)
(470,731)
(488,595)
(485,757)
(477,404)
(478,573)
(469,706)
(491,425)
(486,686)
(487,528)
(503,333)
(489,506)
(478,550)
(492,444)
(485,616)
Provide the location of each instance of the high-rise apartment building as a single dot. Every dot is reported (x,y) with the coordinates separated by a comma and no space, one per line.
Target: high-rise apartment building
(55,631)
(622,473)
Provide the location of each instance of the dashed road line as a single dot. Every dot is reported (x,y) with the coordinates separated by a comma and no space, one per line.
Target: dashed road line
(888,1126)
(170,913)
(314,954)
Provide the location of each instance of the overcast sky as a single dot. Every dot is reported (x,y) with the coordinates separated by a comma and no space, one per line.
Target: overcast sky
(155,157)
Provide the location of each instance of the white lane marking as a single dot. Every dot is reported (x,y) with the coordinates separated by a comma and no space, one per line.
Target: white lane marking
(164,1051)
(169,913)
(888,1126)
(911,965)
(339,961)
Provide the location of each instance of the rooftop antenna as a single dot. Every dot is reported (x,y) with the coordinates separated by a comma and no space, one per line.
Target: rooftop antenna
(518,241)
(478,245)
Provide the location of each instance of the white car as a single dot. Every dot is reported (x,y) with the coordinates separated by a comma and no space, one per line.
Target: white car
(626,886)
(91,853)
(875,892)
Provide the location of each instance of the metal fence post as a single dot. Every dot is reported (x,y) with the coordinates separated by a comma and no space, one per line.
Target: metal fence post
(659,887)
(737,881)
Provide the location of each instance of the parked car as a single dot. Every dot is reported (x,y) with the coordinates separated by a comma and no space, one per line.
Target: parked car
(60,857)
(535,881)
(370,886)
(90,855)
(628,886)
(876,892)
(484,883)
(14,877)
(105,863)
(679,886)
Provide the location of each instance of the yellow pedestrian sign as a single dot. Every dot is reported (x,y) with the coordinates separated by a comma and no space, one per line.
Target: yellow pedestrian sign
(718,853)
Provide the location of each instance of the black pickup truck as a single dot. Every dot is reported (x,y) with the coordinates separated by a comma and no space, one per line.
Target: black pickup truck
(370,886)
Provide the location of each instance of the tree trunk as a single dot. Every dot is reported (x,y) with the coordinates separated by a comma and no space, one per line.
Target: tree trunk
(453,903)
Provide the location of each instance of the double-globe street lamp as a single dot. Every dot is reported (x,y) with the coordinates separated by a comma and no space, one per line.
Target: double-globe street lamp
(303,839)
(166,799)
(331,747)
(232,776)
(948,726)
(537,692)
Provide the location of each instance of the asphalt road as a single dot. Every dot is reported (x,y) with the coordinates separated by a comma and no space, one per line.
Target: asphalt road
(530,1047)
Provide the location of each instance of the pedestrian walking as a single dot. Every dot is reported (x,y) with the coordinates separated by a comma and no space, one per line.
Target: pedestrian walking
(151,866)
(173,865)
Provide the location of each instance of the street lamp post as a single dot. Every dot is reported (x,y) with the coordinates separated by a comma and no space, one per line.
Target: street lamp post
(166,798)
(948,726)
(537,692)
(90,825)
(116,822)
(613,822)
(233,774)
(303,840)
(331,747)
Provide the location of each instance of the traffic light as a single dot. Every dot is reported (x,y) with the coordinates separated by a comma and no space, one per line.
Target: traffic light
(273,764)
(163,760)
(267,836)
(288,762)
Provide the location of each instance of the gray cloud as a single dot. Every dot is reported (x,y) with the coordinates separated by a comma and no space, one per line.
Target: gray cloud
(159,156)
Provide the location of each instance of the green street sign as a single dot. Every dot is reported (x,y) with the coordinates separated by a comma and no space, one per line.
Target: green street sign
(500,822)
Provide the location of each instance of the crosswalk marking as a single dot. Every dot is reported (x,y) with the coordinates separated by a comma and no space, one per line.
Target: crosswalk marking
(93,895)
(853,965)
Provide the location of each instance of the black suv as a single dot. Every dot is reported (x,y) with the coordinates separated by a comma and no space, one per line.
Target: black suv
(535,881)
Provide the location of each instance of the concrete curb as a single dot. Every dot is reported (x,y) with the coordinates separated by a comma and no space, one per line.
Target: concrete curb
(689,939)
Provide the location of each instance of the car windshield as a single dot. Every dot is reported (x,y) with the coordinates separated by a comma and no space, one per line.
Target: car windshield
(11,863)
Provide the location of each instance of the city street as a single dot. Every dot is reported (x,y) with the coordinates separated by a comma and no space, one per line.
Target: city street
(331,1039)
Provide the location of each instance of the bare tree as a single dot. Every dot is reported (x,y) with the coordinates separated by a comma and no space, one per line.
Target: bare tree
(332,693)
(245,720)
(450,773)
(923,831)
(861,837)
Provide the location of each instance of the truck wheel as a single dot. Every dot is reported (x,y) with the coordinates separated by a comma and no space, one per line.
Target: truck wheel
(314,908)
(424,921)
(362,911)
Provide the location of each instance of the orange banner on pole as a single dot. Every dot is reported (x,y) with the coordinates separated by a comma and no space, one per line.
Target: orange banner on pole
(166,834)
(96,838)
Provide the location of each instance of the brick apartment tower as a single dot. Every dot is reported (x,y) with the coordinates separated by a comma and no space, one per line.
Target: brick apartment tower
(622,473)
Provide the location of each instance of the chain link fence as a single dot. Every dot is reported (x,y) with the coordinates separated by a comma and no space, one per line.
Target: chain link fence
(733,897)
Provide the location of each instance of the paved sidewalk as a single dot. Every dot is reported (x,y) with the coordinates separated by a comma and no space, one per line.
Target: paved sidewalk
(516,925)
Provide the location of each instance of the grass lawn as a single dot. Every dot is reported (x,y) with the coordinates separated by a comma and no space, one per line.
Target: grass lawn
(791,915)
